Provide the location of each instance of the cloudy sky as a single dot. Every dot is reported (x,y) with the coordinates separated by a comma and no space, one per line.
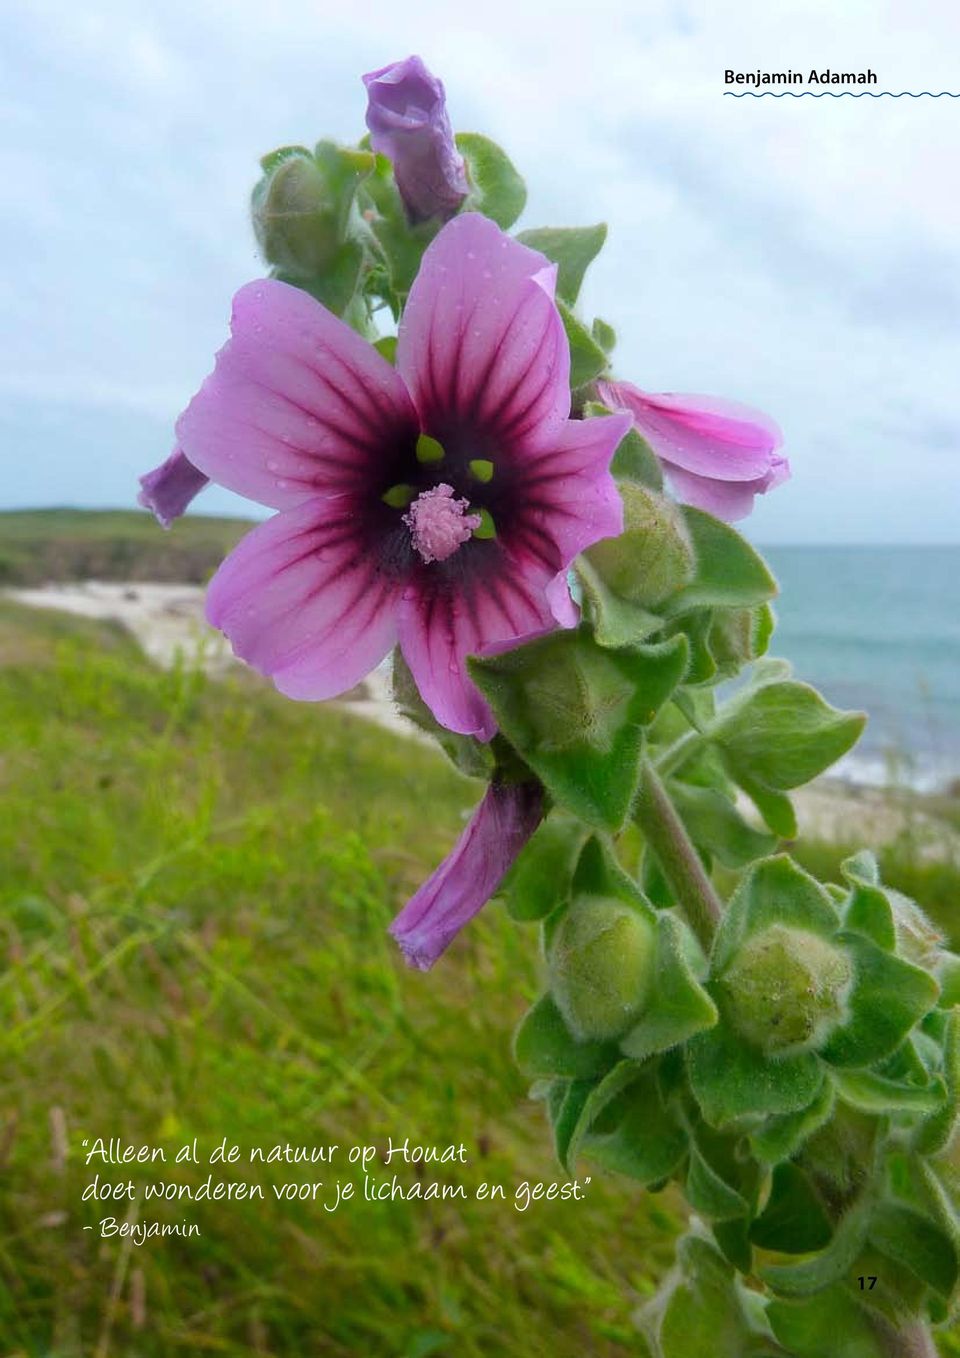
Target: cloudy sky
(800,255)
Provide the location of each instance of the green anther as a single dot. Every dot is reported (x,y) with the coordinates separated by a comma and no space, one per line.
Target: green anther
(398,497)
(428,449)
(481,469)
(486,528)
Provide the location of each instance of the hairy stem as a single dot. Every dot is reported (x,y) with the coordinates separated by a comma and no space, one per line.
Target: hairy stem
(679,861)
(909,1341)
(677,754)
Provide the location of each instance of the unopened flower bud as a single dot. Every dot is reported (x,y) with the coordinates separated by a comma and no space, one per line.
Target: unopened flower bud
(786,988)
(601,966)
(296,216)
(653,557)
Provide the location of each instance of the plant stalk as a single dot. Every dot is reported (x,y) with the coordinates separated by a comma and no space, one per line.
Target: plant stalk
(908,1341)
(679,861)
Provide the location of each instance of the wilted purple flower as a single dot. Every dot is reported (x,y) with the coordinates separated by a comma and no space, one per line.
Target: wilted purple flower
(716,454)
(468,877)
(408,122)
(169,488)
(436,504)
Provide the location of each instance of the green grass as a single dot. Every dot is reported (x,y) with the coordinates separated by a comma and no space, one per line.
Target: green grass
(111,544)
(197,882)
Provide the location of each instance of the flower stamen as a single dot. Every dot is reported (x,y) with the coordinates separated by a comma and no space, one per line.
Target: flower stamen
(439,523)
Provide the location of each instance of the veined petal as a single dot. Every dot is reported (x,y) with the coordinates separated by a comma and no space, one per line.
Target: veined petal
(442,622)
(465,881)
(301,600)
(297,405)
(481,344)
(169,488)
(728,500)
(701,434)
(567,494)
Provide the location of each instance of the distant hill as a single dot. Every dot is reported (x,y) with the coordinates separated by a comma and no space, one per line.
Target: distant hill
(38,545)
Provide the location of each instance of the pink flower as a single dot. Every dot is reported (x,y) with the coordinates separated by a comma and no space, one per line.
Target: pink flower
(465,880)
(436,505)
(716,454)
(169,488)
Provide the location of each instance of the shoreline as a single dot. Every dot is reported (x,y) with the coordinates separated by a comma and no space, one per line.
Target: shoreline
(167,620)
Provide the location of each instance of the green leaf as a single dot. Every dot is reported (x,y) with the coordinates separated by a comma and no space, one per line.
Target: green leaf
(544,1046)
(783,734)
(937,1131)
(573,248)
(709,1194)
(774,891)
(831,1324)
(338,284)
(913,1241)
(587,359)
(576,713)
(625,1126)
(496,188)
(794,1220)
(565,1111)
(616,622)
(599,873)
(732,1081)
(387,346)
(714,823)
(653,557)
(831,1264)
(634,459)
(678,1005)
(730,574)
(702,1312)
(604,334)
(776,808)
(738,636)
(875,1094)
(888,997)
(781,1137)
(540,879)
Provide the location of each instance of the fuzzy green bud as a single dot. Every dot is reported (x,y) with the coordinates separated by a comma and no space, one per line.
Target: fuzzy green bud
(785,989)
(653,557)
(295,221)
(601,966)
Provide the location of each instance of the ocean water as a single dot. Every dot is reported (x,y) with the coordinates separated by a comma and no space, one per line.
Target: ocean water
(878,629)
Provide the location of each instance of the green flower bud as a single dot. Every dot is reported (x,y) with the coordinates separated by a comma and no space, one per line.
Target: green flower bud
(785,989)
(302,205)
(653,557)
(601,966)
(295,221)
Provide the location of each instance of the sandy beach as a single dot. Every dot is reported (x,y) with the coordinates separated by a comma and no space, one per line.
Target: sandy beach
(167,621)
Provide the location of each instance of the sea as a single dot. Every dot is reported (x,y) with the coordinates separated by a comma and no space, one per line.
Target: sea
(878,629)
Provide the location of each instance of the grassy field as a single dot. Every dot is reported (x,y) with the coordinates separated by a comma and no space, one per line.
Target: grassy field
(197,878)
(110,544)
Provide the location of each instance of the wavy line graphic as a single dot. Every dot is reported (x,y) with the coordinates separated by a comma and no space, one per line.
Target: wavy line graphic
(842,94)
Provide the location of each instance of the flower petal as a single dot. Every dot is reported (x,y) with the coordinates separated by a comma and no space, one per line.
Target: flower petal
(408,122)
(567,494)
(441,622)
(481,344)
(302,602)
(728,500)
(169,488)
(468,877)
(701,434)
(297,405)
